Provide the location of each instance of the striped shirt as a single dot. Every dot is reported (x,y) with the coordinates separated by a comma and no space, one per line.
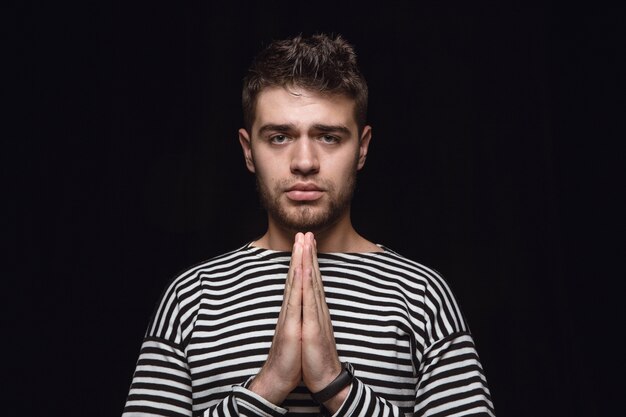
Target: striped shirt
(394,320)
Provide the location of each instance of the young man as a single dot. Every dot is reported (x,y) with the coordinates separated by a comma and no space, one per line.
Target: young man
(311,318)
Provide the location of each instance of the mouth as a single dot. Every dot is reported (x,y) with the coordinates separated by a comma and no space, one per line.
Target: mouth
(304,192)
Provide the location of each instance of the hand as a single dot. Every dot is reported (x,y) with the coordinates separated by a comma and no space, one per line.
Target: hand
(282,370)
(320,361)
(303,347)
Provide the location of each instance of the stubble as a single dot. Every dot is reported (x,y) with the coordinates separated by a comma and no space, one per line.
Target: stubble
(306,216)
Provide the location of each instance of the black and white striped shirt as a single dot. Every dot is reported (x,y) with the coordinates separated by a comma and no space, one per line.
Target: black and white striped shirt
(395,321)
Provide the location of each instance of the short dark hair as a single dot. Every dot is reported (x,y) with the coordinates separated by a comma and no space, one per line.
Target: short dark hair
(318,63)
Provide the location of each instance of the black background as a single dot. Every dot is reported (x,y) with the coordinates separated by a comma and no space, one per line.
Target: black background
(497,159)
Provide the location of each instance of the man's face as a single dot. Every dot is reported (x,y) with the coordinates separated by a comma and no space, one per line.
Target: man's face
(305,151)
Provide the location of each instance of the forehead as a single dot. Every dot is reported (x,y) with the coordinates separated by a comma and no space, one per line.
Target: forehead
(301,107)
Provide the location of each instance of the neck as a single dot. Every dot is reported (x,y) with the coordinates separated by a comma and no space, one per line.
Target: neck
(338,237)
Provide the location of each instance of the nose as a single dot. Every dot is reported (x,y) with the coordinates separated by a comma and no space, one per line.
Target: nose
(304,160)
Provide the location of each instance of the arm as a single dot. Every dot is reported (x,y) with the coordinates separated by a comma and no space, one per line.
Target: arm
(450,378)
(162,387)
(452,381)
(162,383)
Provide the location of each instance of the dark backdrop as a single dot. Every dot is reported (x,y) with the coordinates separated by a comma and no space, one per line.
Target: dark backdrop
(496,159)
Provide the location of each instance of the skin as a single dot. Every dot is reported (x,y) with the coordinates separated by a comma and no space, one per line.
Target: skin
(305,150)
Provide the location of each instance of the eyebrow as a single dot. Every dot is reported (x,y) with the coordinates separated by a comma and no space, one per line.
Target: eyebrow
(289,127)
(332,128)
(277,128)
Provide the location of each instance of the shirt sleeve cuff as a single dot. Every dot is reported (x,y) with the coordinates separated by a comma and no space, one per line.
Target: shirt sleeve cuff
(256,404)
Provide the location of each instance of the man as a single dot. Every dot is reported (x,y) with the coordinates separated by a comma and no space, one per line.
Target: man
(323,322)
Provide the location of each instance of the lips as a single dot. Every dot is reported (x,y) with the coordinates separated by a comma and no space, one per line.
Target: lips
(304,192)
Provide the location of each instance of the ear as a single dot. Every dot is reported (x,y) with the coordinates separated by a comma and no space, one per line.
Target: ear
(244,140)
(364,143)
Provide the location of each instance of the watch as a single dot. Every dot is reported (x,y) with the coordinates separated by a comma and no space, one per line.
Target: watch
(343,380)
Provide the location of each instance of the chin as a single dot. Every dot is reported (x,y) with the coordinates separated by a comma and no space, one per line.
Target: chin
(307,219)
(312,216)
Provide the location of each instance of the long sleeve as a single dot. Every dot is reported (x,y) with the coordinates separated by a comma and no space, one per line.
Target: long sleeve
(162,384)
(441,368)
(451,383)
(395,321)
(162,387)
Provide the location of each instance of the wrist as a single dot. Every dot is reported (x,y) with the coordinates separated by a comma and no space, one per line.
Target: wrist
(272,389)
(335,403)
(339,385)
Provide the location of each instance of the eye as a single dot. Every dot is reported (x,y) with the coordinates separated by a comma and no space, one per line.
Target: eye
(330,139)
(278,139)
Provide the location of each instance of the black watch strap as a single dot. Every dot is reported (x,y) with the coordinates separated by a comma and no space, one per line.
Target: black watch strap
(343,380)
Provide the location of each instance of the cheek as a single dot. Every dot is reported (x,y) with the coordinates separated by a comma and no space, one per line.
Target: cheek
(262,164)
(267,174)
(343,167)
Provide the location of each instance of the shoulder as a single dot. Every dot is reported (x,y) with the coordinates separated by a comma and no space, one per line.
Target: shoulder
(215,267)
(441,308)
(179,301)
(417,271)
(221,271)
(388,270)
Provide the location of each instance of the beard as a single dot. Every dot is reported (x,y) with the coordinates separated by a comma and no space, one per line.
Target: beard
(307,216)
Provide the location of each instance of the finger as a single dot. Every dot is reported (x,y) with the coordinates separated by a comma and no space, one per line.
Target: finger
(288,296)
(296,263)
(296,259)
(294,303)
(295,294)
(317,283)
(314,268)
(293,308)
(296,255)
(309,302)
(319,280)
(306,253)
(290,273)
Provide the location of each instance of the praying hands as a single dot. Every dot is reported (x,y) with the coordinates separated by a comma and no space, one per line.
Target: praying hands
(303,348)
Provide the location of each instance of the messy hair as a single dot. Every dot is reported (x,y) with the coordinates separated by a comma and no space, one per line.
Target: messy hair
(318,63)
